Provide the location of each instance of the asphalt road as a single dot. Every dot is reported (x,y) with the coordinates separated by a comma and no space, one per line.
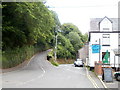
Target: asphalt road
(39,73)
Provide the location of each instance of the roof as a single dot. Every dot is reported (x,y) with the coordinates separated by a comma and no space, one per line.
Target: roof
(94,23)
(107,18)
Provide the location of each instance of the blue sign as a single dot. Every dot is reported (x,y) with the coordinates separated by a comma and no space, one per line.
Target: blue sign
(96,48)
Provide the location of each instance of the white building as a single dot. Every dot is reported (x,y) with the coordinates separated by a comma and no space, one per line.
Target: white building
(104,32)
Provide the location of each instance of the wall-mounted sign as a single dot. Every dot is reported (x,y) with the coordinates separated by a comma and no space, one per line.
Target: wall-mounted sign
(96,48)
(106,57)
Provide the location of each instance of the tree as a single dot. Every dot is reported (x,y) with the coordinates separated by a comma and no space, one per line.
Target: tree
(72,39)
(85,38)
(56,19)
(26,23)
(65,48)
(69,27)
(75,40)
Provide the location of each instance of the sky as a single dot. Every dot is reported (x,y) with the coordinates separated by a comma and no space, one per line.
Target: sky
(79,12)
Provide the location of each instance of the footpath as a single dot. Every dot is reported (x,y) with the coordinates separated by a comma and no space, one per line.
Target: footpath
(115,85)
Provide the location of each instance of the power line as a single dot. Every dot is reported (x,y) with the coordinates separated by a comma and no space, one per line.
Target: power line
(82,6)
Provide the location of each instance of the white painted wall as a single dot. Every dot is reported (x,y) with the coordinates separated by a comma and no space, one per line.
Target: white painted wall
(94,39)
(105,23)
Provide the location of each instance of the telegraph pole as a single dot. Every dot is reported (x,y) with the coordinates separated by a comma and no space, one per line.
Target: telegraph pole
(99,48)
(55,47)
(55,51)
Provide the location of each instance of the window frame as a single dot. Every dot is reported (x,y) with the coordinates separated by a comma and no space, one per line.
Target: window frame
(107,37)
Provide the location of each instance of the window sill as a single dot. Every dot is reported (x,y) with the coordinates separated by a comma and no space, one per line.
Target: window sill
(105,45)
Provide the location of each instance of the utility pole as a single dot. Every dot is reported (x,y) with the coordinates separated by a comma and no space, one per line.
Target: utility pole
(55,51)
(99,49)
(55,47)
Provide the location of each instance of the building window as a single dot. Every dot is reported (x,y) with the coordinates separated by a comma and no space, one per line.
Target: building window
(106,40)
(103,56)
(119,40)
(106,29)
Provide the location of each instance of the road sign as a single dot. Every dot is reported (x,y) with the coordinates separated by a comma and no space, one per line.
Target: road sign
(96,48)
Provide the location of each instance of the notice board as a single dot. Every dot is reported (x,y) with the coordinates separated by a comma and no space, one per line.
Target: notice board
(107,74)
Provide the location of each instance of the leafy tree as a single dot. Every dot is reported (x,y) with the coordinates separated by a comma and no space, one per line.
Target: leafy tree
(26,24)
(75,40)
(56,19)
(32,24)
(69,27)
(65,48)
(85,38)
(71,35)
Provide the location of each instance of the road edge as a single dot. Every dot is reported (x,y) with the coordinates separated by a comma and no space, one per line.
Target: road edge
(16,68)
(91,79)
(99,79)
(102,82)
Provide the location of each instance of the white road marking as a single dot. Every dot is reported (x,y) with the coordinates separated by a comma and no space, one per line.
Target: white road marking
(110,83)
(102,83)
(22,83)
(30,60)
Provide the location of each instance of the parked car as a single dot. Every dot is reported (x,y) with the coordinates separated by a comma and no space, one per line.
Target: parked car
(78,62)
(117,76)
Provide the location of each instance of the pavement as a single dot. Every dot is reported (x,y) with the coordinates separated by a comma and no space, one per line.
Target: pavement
(96,79)
(108,85)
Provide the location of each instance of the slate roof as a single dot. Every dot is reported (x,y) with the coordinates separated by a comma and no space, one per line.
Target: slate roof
(94,23)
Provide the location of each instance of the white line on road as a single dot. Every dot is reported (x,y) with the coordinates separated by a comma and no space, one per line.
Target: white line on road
(102,83)
(43,70)
(22,83)
(30,60)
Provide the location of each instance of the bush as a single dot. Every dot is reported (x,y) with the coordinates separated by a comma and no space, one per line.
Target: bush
(51,59)
(11,58)
(53,62)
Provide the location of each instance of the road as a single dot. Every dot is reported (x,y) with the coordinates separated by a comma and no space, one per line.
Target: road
(39,73)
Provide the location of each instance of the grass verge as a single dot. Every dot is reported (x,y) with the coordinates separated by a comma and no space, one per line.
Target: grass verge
(51,59)
(14,57)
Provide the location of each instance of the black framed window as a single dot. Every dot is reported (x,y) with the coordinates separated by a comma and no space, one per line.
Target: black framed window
(106,40)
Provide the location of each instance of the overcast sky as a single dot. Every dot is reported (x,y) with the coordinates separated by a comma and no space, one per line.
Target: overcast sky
(79,12)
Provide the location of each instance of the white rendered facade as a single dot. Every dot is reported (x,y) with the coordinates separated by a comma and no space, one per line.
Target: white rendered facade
(107,38)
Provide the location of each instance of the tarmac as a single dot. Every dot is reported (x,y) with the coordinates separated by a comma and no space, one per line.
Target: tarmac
(101,84)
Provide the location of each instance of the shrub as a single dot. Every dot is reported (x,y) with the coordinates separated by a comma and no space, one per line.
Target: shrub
(11,58)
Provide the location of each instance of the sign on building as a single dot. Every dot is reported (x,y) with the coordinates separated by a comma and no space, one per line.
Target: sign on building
(96,48)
